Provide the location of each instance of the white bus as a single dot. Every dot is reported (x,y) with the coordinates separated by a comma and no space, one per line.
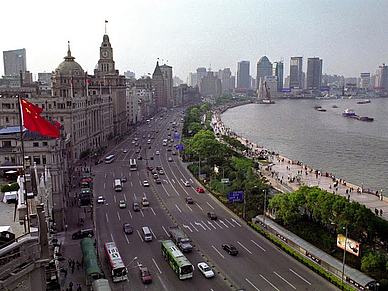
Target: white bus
(132,164)
(109,159)
(118,186)
(116,264)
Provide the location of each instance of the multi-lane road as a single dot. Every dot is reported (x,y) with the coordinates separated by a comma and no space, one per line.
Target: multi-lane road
(259,265)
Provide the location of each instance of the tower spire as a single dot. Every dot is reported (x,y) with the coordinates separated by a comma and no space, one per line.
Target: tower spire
(106,24)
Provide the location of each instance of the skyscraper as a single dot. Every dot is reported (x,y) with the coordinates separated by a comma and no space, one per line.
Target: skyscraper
(225,75)
(243,74)
(264,68)
(14,62)
(365,80)
(168,84)
(381,80)
(201,72)
(278,71)
(296,76)
(314,73)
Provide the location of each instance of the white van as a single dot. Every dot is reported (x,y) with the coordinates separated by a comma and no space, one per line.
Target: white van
(165,142)
(147,235)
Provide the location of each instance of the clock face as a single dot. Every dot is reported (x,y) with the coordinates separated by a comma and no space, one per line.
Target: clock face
(105,54)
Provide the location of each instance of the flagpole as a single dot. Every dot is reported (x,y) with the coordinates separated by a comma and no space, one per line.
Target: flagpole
(26,228)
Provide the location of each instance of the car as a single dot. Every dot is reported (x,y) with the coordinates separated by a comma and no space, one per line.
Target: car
(133,142)
(212,215)
(137,150)
(145,183)
(161,172)
(153,171)
(136,139)
(144,201)
(170,159)
(205,270)
(127,228)
(231,249)
(100,200)
(158,168)
(200,190)
(173,153)
(136,144)
(122,204)
(186,183)
(169,149)
(145,275)
(125,150)
(143,136)
(189,200)
(149,168)
(157,153)
(98,162)
(158,181)
(155,176)
(123,179)
(136,207)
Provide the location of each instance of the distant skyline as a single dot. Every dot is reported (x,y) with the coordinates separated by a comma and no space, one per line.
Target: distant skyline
(350,35)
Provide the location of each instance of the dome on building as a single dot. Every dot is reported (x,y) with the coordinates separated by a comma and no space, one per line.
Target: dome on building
(69,66)
(263,59)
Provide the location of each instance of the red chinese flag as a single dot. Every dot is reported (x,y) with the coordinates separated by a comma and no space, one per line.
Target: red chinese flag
(57,124)
(106,21)
(33,121)
(88,81)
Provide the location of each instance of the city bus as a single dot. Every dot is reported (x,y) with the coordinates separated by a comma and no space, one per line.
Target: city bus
(116,264)
(132,164)
(118,186)
(109,159)
(177,261)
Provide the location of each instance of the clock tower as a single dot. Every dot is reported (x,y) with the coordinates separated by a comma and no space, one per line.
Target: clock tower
(106,64)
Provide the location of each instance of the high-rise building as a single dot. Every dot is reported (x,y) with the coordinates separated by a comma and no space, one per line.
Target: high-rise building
(210,84)
(314,73)
(232,82)
(192,79)
(225,75)
(201,72)
(381,80)
(365,80)
(168,84)
(264,68)
(278,71)
(243,74)
(14,62)
(296,75)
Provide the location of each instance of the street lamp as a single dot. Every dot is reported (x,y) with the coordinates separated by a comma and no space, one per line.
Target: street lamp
(134,259)
(265,200)
(343,261)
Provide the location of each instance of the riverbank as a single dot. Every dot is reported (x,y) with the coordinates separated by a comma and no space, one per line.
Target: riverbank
(282,171)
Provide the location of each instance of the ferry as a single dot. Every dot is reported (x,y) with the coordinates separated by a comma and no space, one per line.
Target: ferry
(350,113)
(364,101)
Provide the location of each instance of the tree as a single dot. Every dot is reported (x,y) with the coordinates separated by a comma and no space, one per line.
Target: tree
(372,263)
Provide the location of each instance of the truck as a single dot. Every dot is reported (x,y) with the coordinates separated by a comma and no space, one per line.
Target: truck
(180,239)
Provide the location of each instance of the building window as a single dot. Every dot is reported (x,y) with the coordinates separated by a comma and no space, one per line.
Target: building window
(35,144)
(6,119)
(6,143)
(44,160)
(45,143)
(36,160)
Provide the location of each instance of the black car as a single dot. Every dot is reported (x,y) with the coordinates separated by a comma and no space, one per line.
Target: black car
(127,228)
(136,207)
(231,249)
(212,215)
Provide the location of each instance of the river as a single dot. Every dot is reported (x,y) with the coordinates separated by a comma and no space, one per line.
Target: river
(353,150)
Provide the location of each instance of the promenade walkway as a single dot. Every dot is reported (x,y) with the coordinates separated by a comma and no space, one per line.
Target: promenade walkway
(288,175)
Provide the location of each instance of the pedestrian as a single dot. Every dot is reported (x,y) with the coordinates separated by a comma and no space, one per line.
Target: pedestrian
(381,212)
(72,269)
(69,261)
(71,285)
(348,197)
(376,211)
(65,227)
(78,265)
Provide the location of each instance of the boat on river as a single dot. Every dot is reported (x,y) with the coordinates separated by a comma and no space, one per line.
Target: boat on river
(363,101)
(319,108)
(351,114)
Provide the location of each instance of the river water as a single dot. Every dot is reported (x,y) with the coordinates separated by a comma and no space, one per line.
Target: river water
(353,150)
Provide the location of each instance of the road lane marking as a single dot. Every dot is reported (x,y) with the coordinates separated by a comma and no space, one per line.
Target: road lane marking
(131,184)
(178,208)
(106,215)
(246,279)
(111,236)
(198,223)
(104,186)
(235,222)
(156,265)
(223,223)
(210,205)
(218,224)
(130,214)
(265,279)
(229,222)
(114,198)
(300,276)
(205,224)
(218,252)
(244,247)
(199,206)
(186,226)
(211,224)
(141,238)
(258,245)
(126,237)
(284,280)
(189,207)
(118,215)
(125,197)
(152,232)
(194,226)
(153,211)
(142,213)
(165,231)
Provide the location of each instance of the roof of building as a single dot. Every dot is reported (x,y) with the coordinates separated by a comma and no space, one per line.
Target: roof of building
(69,66)
(157,71)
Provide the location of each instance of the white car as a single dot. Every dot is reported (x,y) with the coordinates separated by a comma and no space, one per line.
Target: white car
(205,270)
(144,201)
(145,183)
(100,200)
(125,150)
(186,183)
(157,153)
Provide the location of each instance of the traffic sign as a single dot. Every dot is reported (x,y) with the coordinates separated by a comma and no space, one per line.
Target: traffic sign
(179,147)
(236,196)
(177,135)
(225,180)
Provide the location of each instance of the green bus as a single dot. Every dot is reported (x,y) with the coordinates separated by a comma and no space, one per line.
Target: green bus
(177,261)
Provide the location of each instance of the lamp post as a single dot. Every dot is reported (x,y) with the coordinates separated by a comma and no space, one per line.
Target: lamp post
(343,261)
(265,201)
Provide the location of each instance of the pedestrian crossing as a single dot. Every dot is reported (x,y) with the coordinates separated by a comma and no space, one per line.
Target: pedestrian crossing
(211,225)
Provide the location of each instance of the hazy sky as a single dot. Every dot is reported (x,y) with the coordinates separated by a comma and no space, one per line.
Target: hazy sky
(349,35)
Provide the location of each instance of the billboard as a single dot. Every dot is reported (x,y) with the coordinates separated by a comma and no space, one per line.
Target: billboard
(236,196)
(365,75)
(352,246)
